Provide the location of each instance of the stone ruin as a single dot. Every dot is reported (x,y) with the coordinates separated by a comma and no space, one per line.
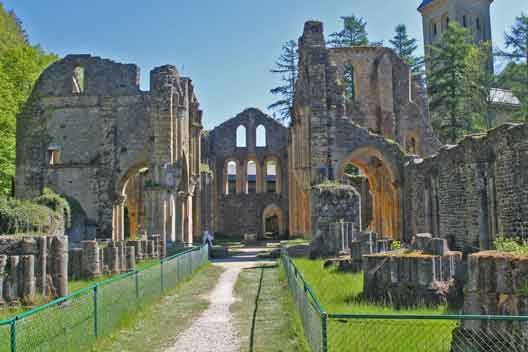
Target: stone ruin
(93,258)
(497,285)
(422,274)
(32,266)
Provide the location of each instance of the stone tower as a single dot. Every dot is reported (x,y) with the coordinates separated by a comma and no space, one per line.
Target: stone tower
(472,14)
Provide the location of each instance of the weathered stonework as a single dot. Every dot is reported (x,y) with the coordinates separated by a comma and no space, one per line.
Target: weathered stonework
(241,211)
(130,158)
(31,265)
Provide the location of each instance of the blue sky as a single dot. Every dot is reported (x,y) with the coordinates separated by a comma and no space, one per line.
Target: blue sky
(226,46)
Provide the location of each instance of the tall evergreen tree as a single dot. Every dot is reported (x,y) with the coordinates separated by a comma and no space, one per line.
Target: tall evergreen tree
(286,67)
(405,47)
(450,84)
(516,42)
(354,33)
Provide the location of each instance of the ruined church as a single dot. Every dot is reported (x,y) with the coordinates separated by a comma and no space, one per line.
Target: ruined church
(359,149)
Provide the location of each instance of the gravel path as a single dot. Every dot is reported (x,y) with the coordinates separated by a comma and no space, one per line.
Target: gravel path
(213,331)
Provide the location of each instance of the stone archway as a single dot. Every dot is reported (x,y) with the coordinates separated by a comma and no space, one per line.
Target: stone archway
(130,195)
(385,188)
(273,221)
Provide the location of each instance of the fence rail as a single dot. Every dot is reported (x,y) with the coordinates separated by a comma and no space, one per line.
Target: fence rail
(415,333)
(76,321)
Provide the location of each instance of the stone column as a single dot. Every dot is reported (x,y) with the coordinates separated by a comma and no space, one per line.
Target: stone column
(28,278)
(90,259)
(11,285)
(130,258)
(42,259)
(59,255)
(3,263)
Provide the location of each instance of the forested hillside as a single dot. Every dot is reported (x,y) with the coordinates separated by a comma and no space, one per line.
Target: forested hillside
(20,65)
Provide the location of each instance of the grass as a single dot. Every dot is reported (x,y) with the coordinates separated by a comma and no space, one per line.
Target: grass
(275,321)
(340,293)
(156,327)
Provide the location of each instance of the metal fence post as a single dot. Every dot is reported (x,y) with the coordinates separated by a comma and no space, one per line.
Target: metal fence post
(13,335)
(96,311)
(161,281)
(324,329)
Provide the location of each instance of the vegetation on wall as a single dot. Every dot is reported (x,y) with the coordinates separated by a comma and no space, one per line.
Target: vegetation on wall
(20,65)
(354,33)
(286,68)
(26,217)
(406,47)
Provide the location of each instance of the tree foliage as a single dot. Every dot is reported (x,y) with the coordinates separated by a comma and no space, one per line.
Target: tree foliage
(452,84)
(515,75)
(286,67)
(20,66)
(354,33)
(405,47)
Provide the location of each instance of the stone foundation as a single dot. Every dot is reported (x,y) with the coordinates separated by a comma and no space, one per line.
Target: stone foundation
(409,277)
(32,265)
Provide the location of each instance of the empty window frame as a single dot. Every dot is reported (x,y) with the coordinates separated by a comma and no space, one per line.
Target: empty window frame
(78,80)
(350,84)
(241,137)
(271,176)
(251,184)
(261,136)
(231,177)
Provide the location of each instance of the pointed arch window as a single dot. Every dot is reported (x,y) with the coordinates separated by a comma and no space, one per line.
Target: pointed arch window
(350,84)
(261,136)
(251,185)
(231,177)
(241,136)
(78,80)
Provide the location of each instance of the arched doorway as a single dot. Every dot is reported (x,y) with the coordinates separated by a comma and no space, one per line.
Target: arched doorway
(129,213)
(384,188)
(272,222)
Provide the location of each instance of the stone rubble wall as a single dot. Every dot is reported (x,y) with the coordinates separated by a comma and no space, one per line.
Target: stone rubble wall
(407,277)
(471,192)
(331,204)
(94,259)
(31,266)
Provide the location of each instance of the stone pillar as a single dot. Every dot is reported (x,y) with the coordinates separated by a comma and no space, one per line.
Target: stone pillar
(11,285)
(3,263)
(28,278)
(75,263)
(130,258)
(112,259)
(42,259)
(90,259)
(59,255)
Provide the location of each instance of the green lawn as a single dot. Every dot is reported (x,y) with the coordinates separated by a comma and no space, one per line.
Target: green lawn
(277,327)
(339,292)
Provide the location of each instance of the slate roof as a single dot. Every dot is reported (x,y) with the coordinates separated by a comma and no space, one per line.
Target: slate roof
(503,96)
(424,3)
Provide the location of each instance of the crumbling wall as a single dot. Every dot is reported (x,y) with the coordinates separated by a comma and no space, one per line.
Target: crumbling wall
(471,192)
(332,204)
(33,265)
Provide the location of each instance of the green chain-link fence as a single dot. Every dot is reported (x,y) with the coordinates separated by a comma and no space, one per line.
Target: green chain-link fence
(74,322)
(407,333)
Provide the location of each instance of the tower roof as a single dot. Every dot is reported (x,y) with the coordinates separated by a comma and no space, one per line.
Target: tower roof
(424,4)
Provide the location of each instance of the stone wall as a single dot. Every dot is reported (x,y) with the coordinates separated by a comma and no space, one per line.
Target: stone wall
(90,138)
(471,192)
(497,285)
(421,275)
(331,204)
(240,213)
(32,265)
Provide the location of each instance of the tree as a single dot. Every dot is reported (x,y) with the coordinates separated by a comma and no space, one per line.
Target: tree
(286,67)
(354,33)
(405,48)
(450,84)
(516,42)
(20,66)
